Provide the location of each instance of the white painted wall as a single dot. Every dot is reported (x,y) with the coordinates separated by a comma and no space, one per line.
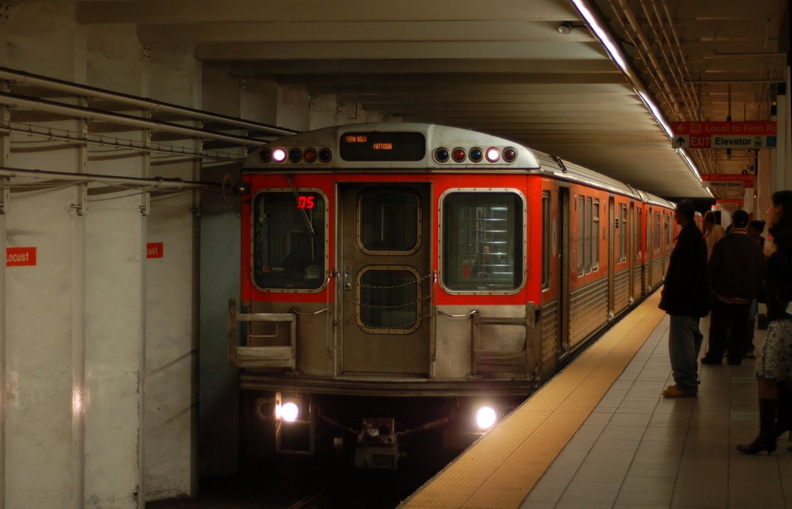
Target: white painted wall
(101,348)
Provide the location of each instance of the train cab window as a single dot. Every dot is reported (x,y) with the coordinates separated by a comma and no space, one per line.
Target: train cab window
(581,235)
(289,240)
(483,236)
(389,221)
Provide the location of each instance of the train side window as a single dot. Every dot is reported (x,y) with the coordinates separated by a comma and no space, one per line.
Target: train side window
(482,236)
(389,221)
(289,240)
(547,246)
(623,233)
(657,232)
(581,234)
(595,228)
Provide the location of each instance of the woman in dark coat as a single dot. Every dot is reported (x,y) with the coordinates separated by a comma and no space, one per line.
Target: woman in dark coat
(774,364)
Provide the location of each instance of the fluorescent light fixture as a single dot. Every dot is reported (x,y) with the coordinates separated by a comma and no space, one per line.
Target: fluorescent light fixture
(615,53)
(602,35)
(658,115)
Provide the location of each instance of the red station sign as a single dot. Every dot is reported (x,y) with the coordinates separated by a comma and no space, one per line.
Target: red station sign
(20,256)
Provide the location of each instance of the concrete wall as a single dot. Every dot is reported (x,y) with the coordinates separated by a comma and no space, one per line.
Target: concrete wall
(102,346)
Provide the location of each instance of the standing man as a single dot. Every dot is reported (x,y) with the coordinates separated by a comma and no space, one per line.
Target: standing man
(736,272)
(685,297)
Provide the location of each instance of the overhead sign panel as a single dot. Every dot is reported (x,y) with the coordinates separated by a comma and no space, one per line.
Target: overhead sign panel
(728,180)
(724,135)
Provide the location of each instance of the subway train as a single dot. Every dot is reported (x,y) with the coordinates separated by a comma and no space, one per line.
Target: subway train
(406,277)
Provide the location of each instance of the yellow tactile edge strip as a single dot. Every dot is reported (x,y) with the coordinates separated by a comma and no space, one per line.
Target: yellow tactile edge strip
(501,469)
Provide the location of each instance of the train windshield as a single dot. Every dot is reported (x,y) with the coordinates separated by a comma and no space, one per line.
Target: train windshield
(482,241)
(289,240)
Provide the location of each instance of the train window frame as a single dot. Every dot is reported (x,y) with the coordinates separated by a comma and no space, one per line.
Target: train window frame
(325,241)
(451,285)
(359,297)
(361,219)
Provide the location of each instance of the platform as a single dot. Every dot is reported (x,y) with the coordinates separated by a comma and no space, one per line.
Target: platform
(600,435)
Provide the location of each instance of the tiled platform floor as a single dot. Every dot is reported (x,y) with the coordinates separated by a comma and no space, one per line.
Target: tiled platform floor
(640,450)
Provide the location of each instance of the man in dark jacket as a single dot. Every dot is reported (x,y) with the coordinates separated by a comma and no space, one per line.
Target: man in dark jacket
(736,272)
(685,297)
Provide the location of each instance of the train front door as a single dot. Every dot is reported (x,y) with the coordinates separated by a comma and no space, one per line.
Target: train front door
(385,290)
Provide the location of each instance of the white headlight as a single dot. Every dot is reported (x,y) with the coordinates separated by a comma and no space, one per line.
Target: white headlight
(290,412)
(486,417)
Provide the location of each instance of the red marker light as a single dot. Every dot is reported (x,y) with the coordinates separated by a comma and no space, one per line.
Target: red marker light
(509,154)
(309,155)
(459,155)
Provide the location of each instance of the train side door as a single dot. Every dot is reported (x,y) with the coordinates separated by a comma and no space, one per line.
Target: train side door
(385,299)
(564,270)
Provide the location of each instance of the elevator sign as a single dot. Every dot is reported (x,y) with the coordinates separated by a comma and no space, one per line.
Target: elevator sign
(20,256)
(724,135)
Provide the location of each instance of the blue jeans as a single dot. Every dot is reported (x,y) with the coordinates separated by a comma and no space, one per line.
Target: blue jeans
(684,345)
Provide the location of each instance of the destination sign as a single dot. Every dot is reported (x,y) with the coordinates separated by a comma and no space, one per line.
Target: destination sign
(382,146)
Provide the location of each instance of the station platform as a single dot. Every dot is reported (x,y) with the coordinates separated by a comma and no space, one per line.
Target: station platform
(601,435)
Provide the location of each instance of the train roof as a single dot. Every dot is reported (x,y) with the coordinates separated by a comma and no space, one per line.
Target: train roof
(435,137)
(567,170)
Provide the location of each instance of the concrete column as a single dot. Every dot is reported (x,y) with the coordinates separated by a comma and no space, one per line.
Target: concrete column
(42,404)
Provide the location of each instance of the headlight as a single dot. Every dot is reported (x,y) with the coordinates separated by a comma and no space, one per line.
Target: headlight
(290,412)
(486,417)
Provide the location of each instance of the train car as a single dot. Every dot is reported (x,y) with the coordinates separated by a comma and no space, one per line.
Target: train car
(398,276)
(659,232)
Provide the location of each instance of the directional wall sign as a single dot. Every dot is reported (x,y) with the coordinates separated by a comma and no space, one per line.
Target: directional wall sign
(750,142)
(763,128)
(728,180)
(724,135)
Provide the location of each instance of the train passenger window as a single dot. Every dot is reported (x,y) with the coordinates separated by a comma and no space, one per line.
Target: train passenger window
(595,228)
(657,232)
(588,210)
(483,237)
(589,236)
(581,232)
(289,240)
(389,299)
(547,246)
(623,233)
(389,221)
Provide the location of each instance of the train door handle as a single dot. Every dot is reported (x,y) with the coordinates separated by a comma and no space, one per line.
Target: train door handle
(347,278)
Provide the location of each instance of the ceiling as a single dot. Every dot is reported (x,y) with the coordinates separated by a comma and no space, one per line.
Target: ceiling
(504,67)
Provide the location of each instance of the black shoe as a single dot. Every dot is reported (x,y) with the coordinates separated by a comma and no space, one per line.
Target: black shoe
(759,445)
(710,360)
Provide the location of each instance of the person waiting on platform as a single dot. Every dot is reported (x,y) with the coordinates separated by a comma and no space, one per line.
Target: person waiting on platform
(736,271)
(713,232)
(685,297)
(774,361)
